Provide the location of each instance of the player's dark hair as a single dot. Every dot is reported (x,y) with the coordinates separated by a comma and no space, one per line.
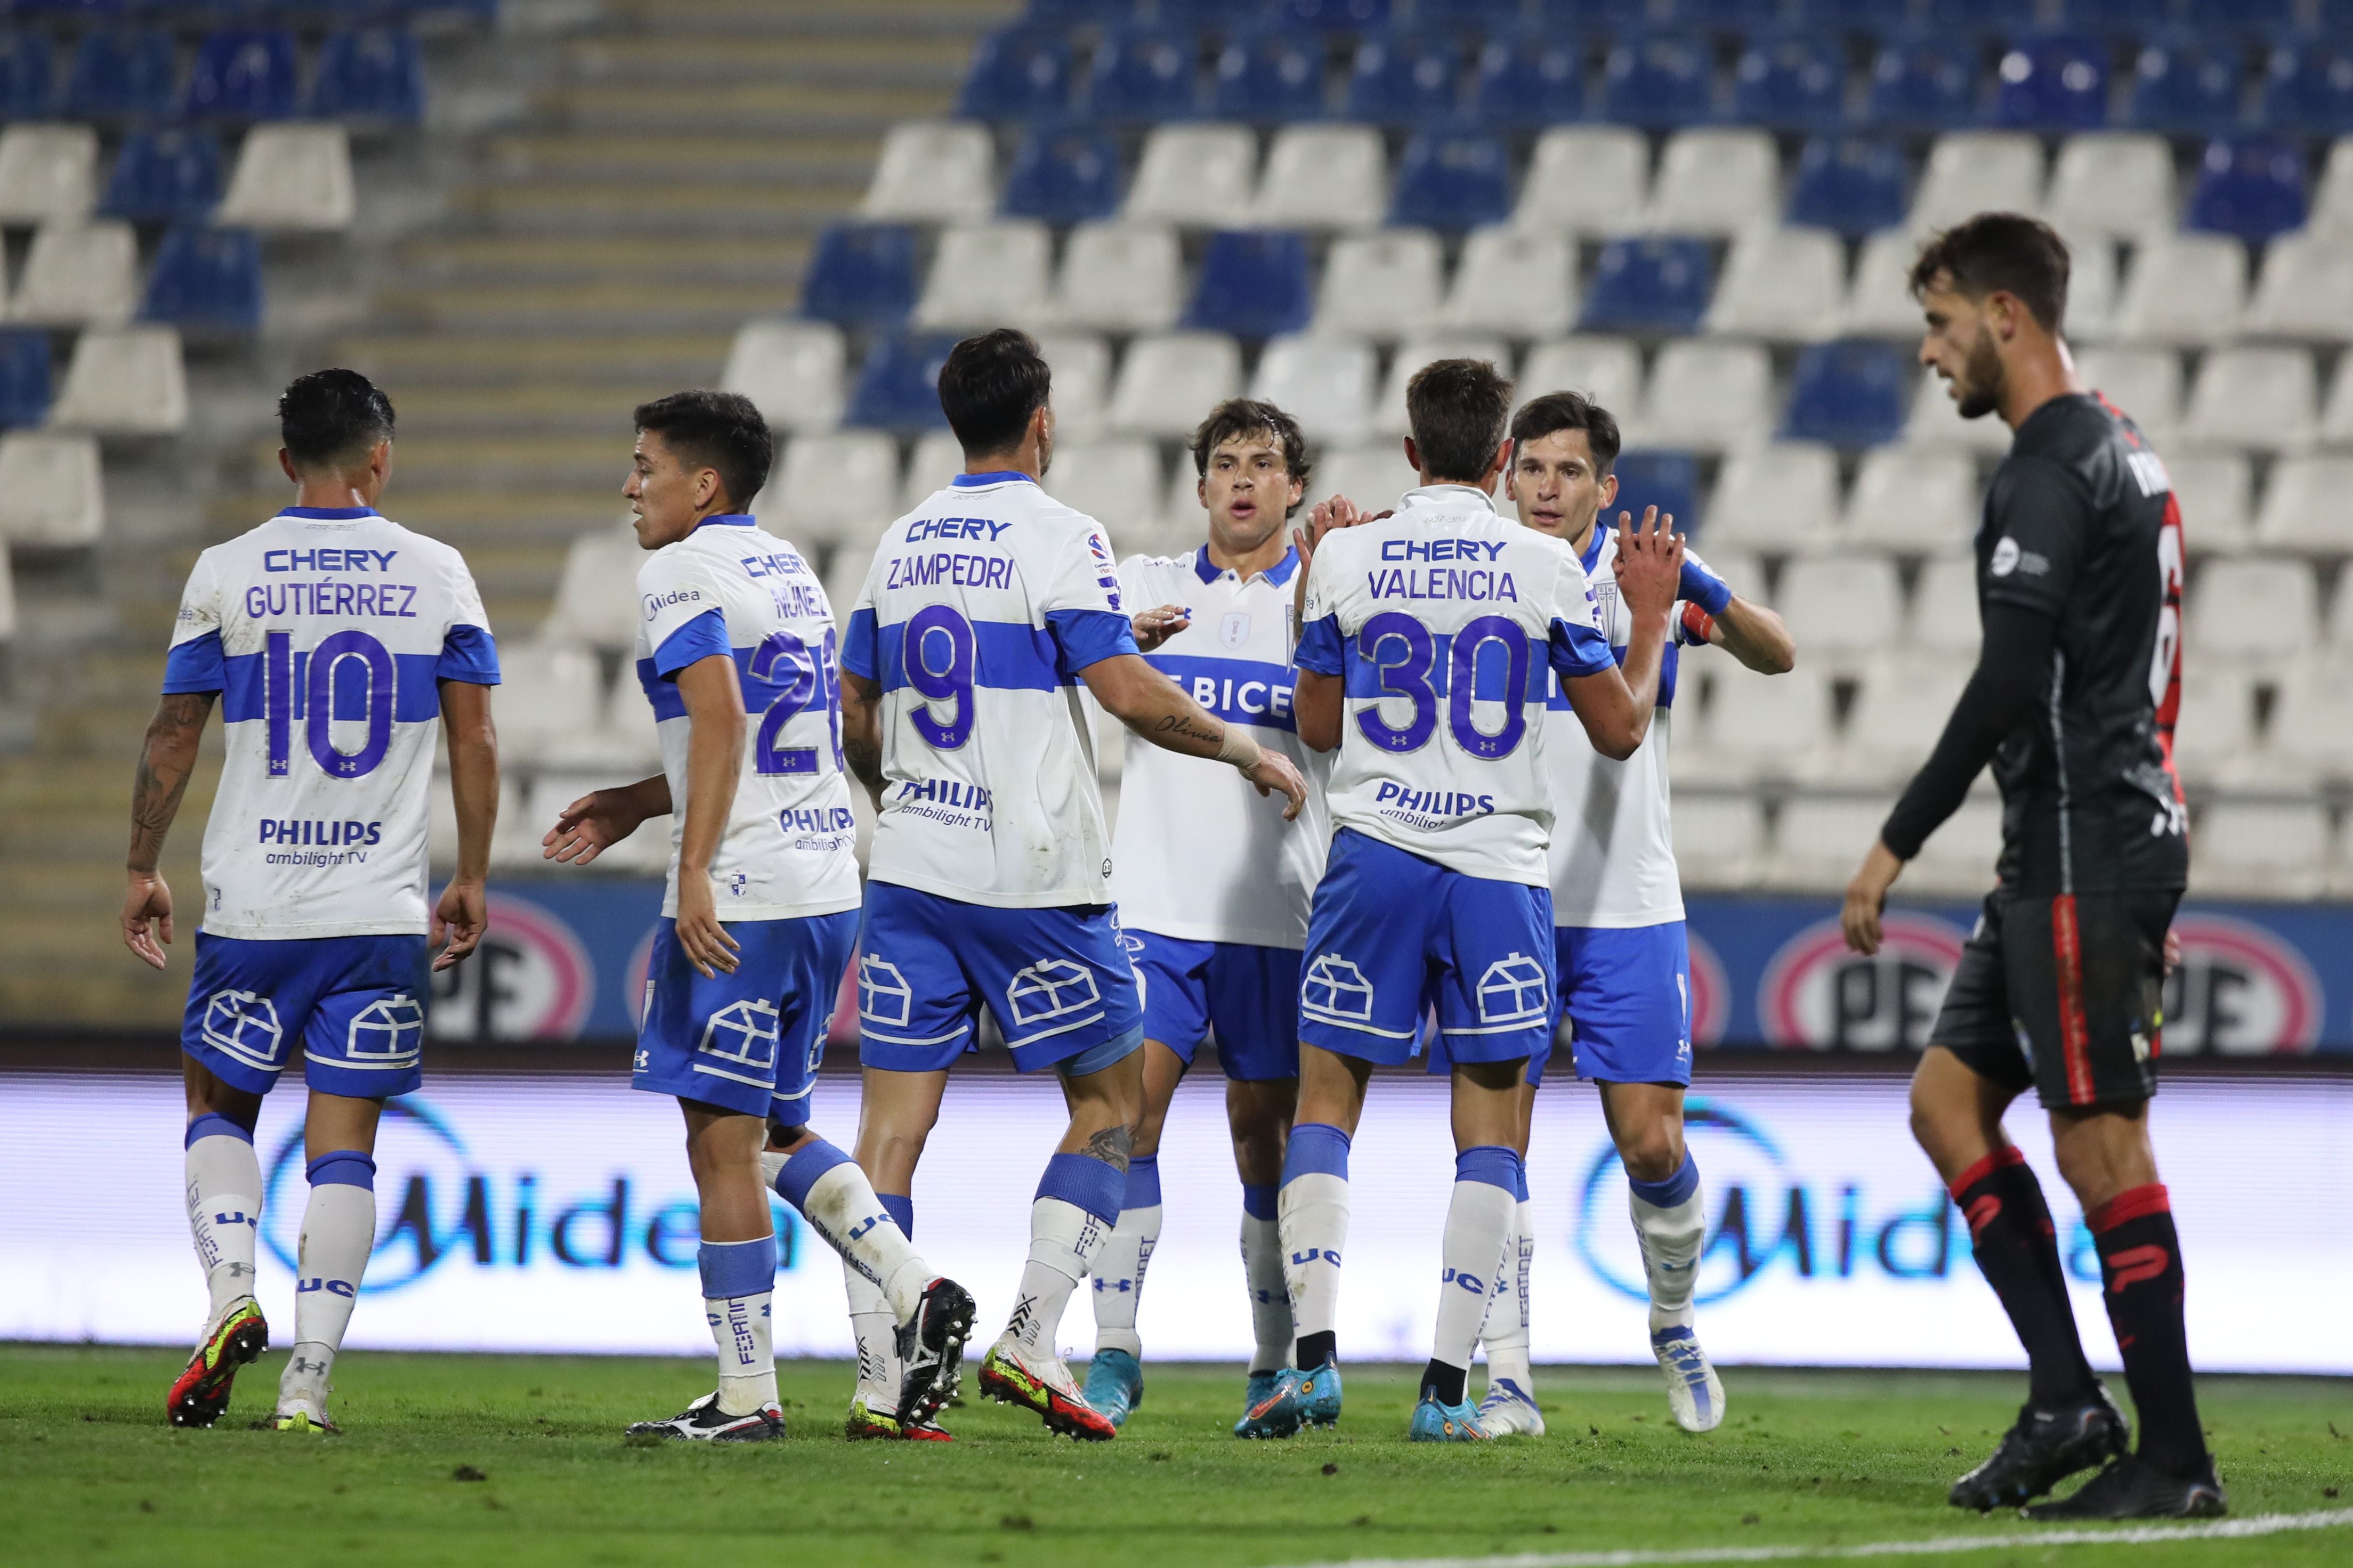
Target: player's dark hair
(333,417)
(722,431)
(1248,417)
(1557,411)
(1457,409)
(990,386)
(2006,251)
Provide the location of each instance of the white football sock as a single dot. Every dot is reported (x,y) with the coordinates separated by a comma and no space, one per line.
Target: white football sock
(224,1195)
(871,1319)
(1118,1269)
(338,1233)
(1478,1219)
(739,1279)
(1262,1268)
(1312,1207)
(1506,1333)
(1063,1241)
(828,1190)
(1670,1222)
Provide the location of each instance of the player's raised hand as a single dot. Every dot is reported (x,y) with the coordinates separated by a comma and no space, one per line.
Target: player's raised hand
(1274,773)
(144,899)
(1650,566)
(1325,518)
(462,916)
(590,826)
(706,942)
(1156,626)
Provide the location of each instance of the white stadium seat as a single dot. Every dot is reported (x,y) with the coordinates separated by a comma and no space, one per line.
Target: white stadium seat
(49,173)
(1944,608)
(2262,849)
(1388,414)
(2145,383)
(1199,176)
(50,490)
(596,593)
(1166,382)
(2186,289)
(1780,497)
(2216,494)
(1879,302)
(2262,399)
(1324,177)
(1899,709)
(1325,383)
(1115,482)
(2254,611)
(792,368)
(2092,286)
(630,720)
(1958,858)
(938,458)
(1742,569)
(1607,370)
(2117,184)
(1936,421)
(1715,180)
(1372,476)
(2332,196)
(1843,607)
(1122,277)
(2311,727)
(2215,733)
(1519,282)
(2305,506)
(1708,395)
(1822,837)
(1719,839)
(2336,410)
(1970,171)
(127,381)
(2305,291)
(933,172)
(1081,363)
(547,693)
(1782,284)
(7,600)
(1922,499)
(989,275)
(846,568)
(1585,179)
(1382,285)
(1759,726)
(78,275)
(829,487)
(293,179)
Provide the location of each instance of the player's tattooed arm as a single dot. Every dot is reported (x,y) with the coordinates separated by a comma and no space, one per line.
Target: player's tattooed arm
(167,759)
(861,732)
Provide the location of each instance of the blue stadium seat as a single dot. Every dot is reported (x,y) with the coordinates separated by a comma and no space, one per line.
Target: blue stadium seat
(207,281)
(243,73)
(24,377)
(1269,76)
(1481,13)
(1922,85)
(1404,79)
(1530,78)
(124,73)
(28,75)
(74,10)
(1454,180)
(1079,12)
(1222,14)
(370,73)
(899,385)
(1657,81)
(1740,15)
(2308,90)
(1612,16)
(1254,284)
(1868,16)
(1856,186)
(1350,15)
(2186,85)
(1979,16)
(2058,83)
(1666,479)
(1063,176)
(1142,74)
(165,173)
(863,275)
(2275,17)
(1848,394)
(1019,73)
(1793,82)
(2252,188)
(1659,285)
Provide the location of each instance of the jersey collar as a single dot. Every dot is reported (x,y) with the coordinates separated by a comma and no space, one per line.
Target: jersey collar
(1279,574)
(1001,476)
(1592,551)
(1446,493)
(730,520)
(329,513)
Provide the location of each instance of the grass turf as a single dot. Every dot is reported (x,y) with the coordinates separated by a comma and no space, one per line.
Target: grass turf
(519,1461)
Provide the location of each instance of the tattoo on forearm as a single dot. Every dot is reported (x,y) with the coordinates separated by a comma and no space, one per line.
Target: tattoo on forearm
(166,763)
(1111,1146)
(1178,724)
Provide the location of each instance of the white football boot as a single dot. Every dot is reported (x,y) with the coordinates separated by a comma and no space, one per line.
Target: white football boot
(1510,1411)
(1694,1396)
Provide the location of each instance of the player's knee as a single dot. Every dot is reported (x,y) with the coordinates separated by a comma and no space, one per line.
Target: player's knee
(1651,1154)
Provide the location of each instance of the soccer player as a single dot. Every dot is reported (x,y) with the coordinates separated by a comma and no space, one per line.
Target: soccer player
(1212,888)
(334,638)
(1617,919)
(2079,587)
(989,875)
(1424,637)
(758,916)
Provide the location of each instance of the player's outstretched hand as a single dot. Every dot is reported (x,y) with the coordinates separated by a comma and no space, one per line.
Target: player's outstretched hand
(1274,773)
(1156,626)
(462,916)
(1326,517)
(1650,567)
(1866,898)
(590,826)
(144,899)
(706,942)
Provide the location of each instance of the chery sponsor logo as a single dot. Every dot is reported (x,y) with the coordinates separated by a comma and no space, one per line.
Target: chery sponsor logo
(1818,995)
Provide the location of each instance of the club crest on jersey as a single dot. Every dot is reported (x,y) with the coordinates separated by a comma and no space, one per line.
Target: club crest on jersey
(1335,989)
(1234,630)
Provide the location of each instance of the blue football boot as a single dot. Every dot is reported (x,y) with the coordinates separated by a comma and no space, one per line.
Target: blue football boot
(1298,1399)
(1114,1384)
(1261,1385)
(1436,1423)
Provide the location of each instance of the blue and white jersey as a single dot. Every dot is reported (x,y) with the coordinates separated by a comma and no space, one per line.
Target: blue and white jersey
(730,591)
(1443,620)
(1199,853)
(326,631)
(981,607)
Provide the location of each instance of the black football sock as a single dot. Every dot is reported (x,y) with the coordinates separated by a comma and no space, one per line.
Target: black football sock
(2017,1253)
(1315,1350)
(2140,1261)
(1443,1383)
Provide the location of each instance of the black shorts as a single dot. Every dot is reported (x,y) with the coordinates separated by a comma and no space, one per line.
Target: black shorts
(2063,992)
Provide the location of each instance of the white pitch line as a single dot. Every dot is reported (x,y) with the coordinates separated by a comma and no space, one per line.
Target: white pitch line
(2138,1535)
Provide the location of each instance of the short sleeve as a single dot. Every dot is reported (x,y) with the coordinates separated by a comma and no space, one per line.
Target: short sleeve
(1083,638)
(1085,575)
(2041,517)
(1574,644)
(1323,645)
(195,662)
(469,653)
(679,605)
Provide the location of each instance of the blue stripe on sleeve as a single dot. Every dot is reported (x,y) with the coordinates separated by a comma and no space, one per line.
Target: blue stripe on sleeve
(468,653)
(1321,646)
(662,694)
(857,652)
(698,639)
(196,666)
(1084,637)
(1577,650)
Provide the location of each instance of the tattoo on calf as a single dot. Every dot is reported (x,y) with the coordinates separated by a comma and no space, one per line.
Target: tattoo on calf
(1111,1146)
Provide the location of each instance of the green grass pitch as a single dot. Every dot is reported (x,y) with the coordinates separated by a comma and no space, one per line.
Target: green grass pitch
(518,1461)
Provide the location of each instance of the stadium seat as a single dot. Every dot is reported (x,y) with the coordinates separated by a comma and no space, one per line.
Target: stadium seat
(1453,181)
(1166,382)
(624,738)
(207,281)
(1850,186)
(2262,399)
(898,386)
(1666,479)
(1518,282)
(1324,177)
(989,275)
(792,369)
(28,75)
(1841,608)
(1936,421)
(1719,839)
(1944,608)
(2185,85)
(1271,76)
(1373,475)
(1592,179)
(2185,289)
(1380,285)
(127,381)
(1760,727)
(1529,78)
(1325,383)
(1970,171)
(1792,81)
(1781,284)
(2252,188)
(1390,413)
(2307,89)
(2113,183)
(1818,836)
(1118,483)
(1122,277)
(1351,16)
(938,458)
(595,602)
(862,275)
(1081,363)
(1716,181)
(2312,736)
(1063,176)
(934,171)
(1848,394)
(1656,285)
(1607,370)
(50,492)
(1958,859)
(1708,395)
(2216,494)
(125,73)
(1200,176)
(2332,199)
(165,173)
(2250,18)
(2254,613)
(292,179)
(2214,731)
(242,73)
(548,691)
(2143,382)
(77,275)
(2056,82)
(1487,14)
(1922,84)
(1019,73)
(1144,75)
(2268,850)
(24,378)
(2091,285)
(2303,507)
(1901,704)
(832,486)
(1776,498)
(1879,302)
(2337,411)
(369,75)
(1254,285)
(1404,79)
(1658,81)
(47,172)
(1921,500)
(2306,291)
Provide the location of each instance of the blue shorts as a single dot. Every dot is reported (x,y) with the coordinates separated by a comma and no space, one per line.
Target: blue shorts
(1057,981)
(356,1003)
(1249,994)
(750,1041)
(1391,935)
(1627,993)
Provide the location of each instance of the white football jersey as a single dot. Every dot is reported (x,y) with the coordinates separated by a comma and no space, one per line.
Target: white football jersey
(1199,853)
(731,590)
(325,631)
(981,607)
(1443,620)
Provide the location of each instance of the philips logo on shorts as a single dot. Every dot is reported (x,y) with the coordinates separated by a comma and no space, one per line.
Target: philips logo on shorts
(244,1024)
(388,1033)
(883,995)
(1514,990)
(1336,991)
(1052,991)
